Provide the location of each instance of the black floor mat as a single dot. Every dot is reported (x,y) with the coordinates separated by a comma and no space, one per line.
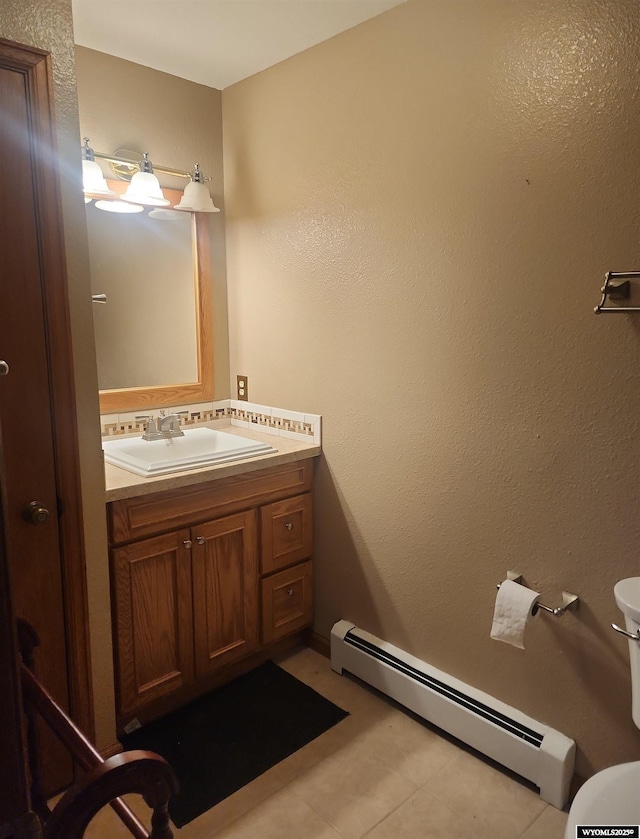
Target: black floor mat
(223,740)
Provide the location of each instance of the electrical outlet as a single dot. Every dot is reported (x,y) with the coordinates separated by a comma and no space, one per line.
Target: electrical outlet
(243,388)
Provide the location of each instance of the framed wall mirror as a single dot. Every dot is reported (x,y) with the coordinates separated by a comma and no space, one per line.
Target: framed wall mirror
(154,341)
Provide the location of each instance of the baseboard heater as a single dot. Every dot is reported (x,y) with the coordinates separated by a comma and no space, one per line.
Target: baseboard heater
(530,749)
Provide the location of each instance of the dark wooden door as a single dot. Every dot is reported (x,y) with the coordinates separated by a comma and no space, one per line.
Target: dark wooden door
(43,520)
(14,798)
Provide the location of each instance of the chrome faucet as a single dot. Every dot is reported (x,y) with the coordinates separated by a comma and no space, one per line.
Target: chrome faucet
(169,426)
(162,427)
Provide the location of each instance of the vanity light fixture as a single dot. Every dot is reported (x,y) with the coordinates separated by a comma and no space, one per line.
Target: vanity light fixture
(144,189)
(196,198)
(93,181)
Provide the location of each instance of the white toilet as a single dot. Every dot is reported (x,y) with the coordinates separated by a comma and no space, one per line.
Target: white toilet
(613,796)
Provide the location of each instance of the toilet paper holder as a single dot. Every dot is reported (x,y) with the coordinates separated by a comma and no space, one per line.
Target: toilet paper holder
(569,601)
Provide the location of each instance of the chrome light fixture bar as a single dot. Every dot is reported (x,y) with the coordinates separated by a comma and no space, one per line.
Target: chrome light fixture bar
(144,189)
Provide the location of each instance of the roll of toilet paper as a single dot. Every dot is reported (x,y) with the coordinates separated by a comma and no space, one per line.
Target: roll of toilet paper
(513,610)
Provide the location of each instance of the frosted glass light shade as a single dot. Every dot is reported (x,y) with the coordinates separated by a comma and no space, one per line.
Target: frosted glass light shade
(119,207)
(93,181)
(196,199)
(164,215)
(145,189)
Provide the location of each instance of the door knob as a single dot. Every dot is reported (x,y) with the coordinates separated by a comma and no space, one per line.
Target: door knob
(36,513)
(4,368)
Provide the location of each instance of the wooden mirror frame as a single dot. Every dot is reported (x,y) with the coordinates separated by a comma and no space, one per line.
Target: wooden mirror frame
(160,396)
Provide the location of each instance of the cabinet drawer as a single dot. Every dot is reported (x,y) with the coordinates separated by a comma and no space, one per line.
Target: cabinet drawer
(287,532)
(148,515)
(287,602)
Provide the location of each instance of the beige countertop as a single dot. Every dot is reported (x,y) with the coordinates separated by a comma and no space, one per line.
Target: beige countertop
(123,484)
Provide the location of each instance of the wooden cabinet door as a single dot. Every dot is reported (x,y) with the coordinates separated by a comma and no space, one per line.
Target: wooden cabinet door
(154,618)
(225,590)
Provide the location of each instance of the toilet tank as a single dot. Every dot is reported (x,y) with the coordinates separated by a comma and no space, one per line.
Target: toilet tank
(627,596)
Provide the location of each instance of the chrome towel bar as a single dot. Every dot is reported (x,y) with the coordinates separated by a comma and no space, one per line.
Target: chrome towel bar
(617,291)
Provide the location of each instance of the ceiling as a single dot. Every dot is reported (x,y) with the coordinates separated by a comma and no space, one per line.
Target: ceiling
(214,42)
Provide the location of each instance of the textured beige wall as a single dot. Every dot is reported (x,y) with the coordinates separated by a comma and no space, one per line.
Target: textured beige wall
(127,106)
(49,26)
(419,215)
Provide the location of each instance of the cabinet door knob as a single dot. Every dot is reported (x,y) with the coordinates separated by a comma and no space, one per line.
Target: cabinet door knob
(290,592)
(187,543)
(288,525)
(200,540)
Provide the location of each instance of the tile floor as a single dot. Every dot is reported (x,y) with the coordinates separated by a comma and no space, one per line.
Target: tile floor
(378,774)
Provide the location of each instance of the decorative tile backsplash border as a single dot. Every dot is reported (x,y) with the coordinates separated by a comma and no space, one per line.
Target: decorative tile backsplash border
(292,424)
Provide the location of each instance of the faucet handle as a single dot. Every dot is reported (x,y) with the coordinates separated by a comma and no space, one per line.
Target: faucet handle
(146,419)
(150,427)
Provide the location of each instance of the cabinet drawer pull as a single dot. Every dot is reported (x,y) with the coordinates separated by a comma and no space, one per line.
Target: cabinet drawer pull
(290,592)
(288,525)
(200,540)
(187,543)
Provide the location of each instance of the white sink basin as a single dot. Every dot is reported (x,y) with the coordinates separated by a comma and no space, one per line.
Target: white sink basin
(198,447)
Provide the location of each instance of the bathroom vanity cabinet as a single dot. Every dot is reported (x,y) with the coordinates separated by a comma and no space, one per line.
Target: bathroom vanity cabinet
(205,578)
